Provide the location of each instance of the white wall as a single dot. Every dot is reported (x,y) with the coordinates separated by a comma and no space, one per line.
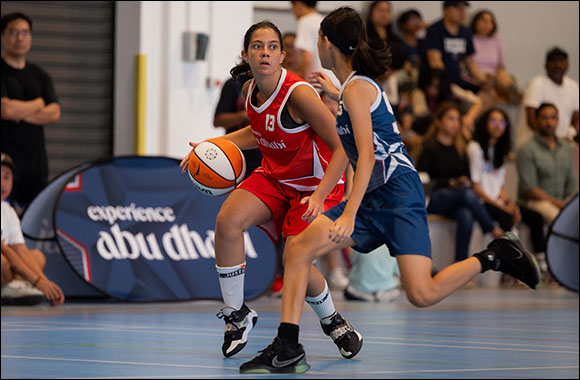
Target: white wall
(180,105)
(181,96)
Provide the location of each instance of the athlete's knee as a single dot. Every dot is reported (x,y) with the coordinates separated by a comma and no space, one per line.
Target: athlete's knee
(39,258)
(297,251)
(228,222)
(421,296)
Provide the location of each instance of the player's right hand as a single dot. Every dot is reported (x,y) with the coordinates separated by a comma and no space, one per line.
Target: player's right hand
(183,164)
(51,291)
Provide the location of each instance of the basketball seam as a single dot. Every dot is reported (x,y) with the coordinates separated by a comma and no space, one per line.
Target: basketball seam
(218,174)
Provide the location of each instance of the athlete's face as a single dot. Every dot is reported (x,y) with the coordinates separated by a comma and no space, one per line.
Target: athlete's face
(496,125)
(264,53)
(548,121)
(6,181)
(17,39)
(324,54)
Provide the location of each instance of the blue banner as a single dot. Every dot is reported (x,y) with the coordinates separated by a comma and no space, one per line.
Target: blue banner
(137,229)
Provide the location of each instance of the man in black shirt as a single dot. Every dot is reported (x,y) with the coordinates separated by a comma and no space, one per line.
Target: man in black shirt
(28,102)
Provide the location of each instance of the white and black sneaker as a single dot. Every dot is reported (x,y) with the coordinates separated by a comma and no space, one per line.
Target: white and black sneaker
(346,338)
(238,325)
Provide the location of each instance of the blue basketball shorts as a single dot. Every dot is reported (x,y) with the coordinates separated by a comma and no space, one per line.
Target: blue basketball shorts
(393,214)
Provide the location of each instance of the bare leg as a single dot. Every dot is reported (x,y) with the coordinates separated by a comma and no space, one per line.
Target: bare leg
(239,212)
(424,290)
(299,254)
(7,274)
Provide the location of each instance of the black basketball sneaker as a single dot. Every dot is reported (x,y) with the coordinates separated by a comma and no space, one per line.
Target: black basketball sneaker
(238,325)
(277,358)
(506,254)
(346,338)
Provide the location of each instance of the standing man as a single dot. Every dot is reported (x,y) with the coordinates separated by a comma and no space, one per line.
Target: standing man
(28,103)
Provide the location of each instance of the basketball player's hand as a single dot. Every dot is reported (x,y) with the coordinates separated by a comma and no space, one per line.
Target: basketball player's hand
(51,291)
(341,229)
(315,207)
(321,82)
(183,164)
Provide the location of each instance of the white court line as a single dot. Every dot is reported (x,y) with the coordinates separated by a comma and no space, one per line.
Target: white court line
(312,373)
(320,339)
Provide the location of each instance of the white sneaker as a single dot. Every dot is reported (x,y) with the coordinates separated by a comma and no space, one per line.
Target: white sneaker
(387,295)
(18,292)
(337,279)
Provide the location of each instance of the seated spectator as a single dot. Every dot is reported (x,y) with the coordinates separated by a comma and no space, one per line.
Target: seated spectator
(487,154)
(489,56)
(23,280)
(546,168)
(410,23)
(444,158)
(449,46)
(555,88)
(435,89)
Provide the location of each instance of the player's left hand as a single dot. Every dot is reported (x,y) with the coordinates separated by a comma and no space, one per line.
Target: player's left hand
(315,207)
(341,229)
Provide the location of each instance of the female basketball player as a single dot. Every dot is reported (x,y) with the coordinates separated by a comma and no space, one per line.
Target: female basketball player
(295,133)
(386,204)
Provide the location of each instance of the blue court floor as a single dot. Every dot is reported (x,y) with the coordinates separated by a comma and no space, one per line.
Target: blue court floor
(475,333)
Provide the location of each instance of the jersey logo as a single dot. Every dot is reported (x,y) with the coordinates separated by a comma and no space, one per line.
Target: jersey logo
(270,121)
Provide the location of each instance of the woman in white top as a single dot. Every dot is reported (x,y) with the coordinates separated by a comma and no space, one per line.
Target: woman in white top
(487,154)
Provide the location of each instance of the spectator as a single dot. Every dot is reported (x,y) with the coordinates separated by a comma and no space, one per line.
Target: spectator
(546,168)
(410,23)
(435,89)
(487,154)
(293,60)
(231,115)
(449,46)
(23,282)
(489,56)
(444,158)
(553,87)
(28,102)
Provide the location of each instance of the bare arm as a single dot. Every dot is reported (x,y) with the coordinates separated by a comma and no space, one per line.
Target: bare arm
(307,106)
(358,98)
(575,120)
(435,60)
(474,69)
(19,265)
(47,115)
(536,193)
(13,109)
(531,118)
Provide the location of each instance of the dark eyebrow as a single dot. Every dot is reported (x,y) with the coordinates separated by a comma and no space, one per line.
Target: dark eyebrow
(269,42)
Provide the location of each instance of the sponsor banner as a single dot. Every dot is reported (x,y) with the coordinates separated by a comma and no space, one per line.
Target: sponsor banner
(562,246)
(137,229)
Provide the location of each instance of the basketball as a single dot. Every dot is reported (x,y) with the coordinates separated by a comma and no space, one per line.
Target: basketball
(216,166)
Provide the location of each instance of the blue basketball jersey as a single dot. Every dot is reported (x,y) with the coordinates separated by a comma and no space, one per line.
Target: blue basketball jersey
(391,157)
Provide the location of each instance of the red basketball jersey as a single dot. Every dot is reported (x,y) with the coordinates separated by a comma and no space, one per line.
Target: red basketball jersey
(296,157)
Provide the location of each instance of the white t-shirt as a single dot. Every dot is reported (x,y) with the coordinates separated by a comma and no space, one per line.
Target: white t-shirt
(11,230)
(307,39)
(542,89)
(483,173)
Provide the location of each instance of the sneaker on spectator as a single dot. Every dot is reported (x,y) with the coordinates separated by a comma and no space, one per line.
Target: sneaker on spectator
(352,294)
(22,293)
(337,280)
(387,295)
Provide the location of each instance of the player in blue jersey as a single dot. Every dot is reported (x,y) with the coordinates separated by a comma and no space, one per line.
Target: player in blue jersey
(386,204)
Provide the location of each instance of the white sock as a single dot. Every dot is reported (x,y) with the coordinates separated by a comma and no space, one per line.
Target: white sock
(232,286)
(322,305)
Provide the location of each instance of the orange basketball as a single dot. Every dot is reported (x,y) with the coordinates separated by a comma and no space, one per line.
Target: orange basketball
(216,166)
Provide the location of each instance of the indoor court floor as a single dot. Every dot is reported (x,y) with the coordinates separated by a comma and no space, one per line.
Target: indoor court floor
(474,333)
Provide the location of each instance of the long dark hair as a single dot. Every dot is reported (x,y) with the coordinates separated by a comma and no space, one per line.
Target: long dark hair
(443,88)
(503,144)
(476,18)
(242,70)
(348,25)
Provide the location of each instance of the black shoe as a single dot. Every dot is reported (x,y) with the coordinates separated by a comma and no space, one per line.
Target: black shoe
(278,358)
(238,326)
(347,339)
(509,256)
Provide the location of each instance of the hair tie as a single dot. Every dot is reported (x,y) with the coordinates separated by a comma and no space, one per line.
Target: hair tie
(345,46)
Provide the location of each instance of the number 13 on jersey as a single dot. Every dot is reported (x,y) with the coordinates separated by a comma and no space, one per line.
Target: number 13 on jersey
(270,121)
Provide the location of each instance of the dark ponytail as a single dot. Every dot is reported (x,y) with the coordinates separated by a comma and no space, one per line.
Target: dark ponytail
(345,29)
(242,71)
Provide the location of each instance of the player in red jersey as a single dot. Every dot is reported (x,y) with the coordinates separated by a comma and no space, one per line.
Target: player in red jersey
(296,134)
